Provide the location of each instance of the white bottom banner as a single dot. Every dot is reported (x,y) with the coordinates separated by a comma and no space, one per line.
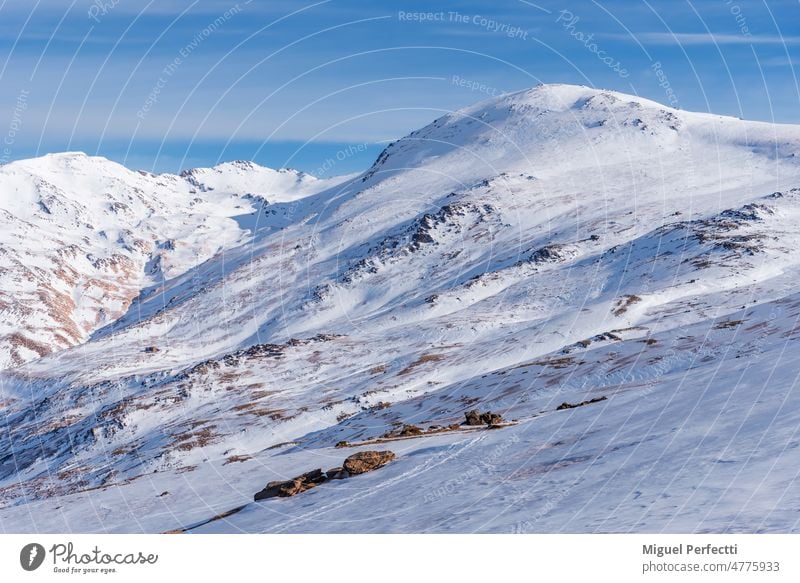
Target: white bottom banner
(419,558)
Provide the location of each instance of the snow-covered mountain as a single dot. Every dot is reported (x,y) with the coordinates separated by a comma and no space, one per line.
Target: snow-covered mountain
(82,237)
(173,343)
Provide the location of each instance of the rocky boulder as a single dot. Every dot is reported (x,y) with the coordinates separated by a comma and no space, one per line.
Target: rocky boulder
(366,461)
(566,405)
(358,463)
(474,418)
(286,488)
(491,419)
(410,431)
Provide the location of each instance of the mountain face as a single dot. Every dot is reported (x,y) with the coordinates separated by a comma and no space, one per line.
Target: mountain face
(614,277)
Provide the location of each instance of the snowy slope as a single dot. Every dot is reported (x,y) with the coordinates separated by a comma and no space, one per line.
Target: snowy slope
(246,178)
(554,245)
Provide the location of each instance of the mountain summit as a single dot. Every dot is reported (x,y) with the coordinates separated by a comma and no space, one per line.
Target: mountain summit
(567,128)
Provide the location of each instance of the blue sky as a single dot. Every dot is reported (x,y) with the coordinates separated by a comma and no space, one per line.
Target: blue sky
(321,86)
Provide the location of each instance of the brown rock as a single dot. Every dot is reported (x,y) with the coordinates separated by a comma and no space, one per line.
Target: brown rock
(366,461)
(409,430)
(490,418)
(473,418)
(285,488)
(271,490)
(566,405)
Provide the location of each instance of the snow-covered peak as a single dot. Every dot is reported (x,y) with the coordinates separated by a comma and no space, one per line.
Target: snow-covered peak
(552,129)
(558,97)
(64,161)
(244,177)
(82,236)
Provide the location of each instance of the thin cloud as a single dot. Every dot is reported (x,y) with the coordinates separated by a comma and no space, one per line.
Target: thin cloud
(780,62)
(705,38)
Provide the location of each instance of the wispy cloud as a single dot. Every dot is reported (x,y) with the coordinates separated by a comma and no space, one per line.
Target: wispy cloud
(781,61)
(705,38)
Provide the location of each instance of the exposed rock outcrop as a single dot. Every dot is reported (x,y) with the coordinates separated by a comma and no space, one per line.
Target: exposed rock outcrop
(410,430)
(286,488)
(566,405)
(474,418)
(358,463)
(366,461)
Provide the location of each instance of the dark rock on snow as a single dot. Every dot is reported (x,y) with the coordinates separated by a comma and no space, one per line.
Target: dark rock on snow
(473,418)
(410,430)
(476,418)
(285,488)
(566,405)
(366,461)
(358,463)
